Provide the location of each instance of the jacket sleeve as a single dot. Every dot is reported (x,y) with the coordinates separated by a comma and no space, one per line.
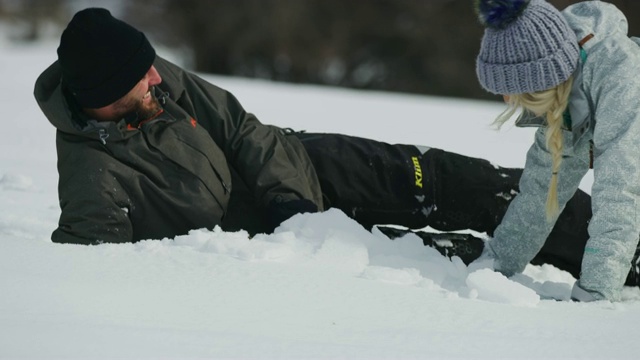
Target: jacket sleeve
(614,227)
(267,160)
(91,213)
(83,222)
(524,228)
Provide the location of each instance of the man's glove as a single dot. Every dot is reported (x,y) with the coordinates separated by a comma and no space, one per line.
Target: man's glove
(280,210)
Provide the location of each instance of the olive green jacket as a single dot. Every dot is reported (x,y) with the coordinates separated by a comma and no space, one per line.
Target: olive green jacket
(203,162)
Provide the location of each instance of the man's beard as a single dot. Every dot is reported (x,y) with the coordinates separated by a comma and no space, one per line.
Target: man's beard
(146,111)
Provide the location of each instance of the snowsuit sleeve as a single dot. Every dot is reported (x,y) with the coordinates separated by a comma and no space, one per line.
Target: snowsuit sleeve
(613,89)
(614,228)
(274,166)
(524,227)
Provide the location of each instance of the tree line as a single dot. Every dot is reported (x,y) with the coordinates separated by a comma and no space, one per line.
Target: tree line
(413,46)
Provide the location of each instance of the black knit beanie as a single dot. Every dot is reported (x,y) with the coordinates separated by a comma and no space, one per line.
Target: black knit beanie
(102,58)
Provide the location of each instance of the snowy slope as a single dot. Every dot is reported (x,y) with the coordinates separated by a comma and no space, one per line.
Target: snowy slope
(320,287)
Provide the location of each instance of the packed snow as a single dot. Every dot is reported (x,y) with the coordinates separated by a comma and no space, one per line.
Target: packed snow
(321,286)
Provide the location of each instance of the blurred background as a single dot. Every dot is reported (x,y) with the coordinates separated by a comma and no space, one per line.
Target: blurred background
(410,46)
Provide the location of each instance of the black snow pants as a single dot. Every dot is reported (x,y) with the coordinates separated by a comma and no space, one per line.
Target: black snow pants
(377,183)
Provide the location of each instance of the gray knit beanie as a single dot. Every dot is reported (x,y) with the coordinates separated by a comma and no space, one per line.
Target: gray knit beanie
(527,46)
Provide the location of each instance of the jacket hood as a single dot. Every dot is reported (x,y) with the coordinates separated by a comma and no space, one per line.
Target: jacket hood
(50,97)
(595,17)
(66,116)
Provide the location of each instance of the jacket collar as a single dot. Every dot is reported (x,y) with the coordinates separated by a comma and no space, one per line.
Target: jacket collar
(578,116)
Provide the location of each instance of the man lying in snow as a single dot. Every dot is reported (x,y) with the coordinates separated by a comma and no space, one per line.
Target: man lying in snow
(147,150)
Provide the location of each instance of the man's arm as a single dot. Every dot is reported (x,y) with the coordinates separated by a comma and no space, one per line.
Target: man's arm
(274,166)
(91,213)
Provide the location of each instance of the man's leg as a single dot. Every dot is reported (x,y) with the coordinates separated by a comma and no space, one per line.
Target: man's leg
(370,181)
(377,183)
(565,245)
(470,193)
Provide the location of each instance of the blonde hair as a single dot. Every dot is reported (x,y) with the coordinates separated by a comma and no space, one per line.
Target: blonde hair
(551,104)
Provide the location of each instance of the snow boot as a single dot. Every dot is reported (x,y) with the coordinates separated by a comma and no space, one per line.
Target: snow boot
(633,278)
(466,246)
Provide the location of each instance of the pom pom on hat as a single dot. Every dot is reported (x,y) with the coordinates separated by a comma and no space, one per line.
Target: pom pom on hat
(499,14)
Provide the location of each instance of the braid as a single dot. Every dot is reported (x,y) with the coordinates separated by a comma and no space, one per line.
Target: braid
(554,144)
(552,103)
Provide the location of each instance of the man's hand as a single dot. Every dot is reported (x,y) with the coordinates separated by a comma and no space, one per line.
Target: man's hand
(280,210)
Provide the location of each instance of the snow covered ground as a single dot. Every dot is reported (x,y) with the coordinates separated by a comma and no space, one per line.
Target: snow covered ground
(320,287)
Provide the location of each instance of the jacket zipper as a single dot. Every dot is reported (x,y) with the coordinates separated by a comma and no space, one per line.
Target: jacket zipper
(104,135)
(142,130)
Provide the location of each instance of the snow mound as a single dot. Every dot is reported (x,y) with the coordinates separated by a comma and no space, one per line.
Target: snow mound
(16,182)
(493,286)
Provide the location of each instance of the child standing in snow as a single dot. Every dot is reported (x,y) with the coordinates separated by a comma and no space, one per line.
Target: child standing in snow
(574,74)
